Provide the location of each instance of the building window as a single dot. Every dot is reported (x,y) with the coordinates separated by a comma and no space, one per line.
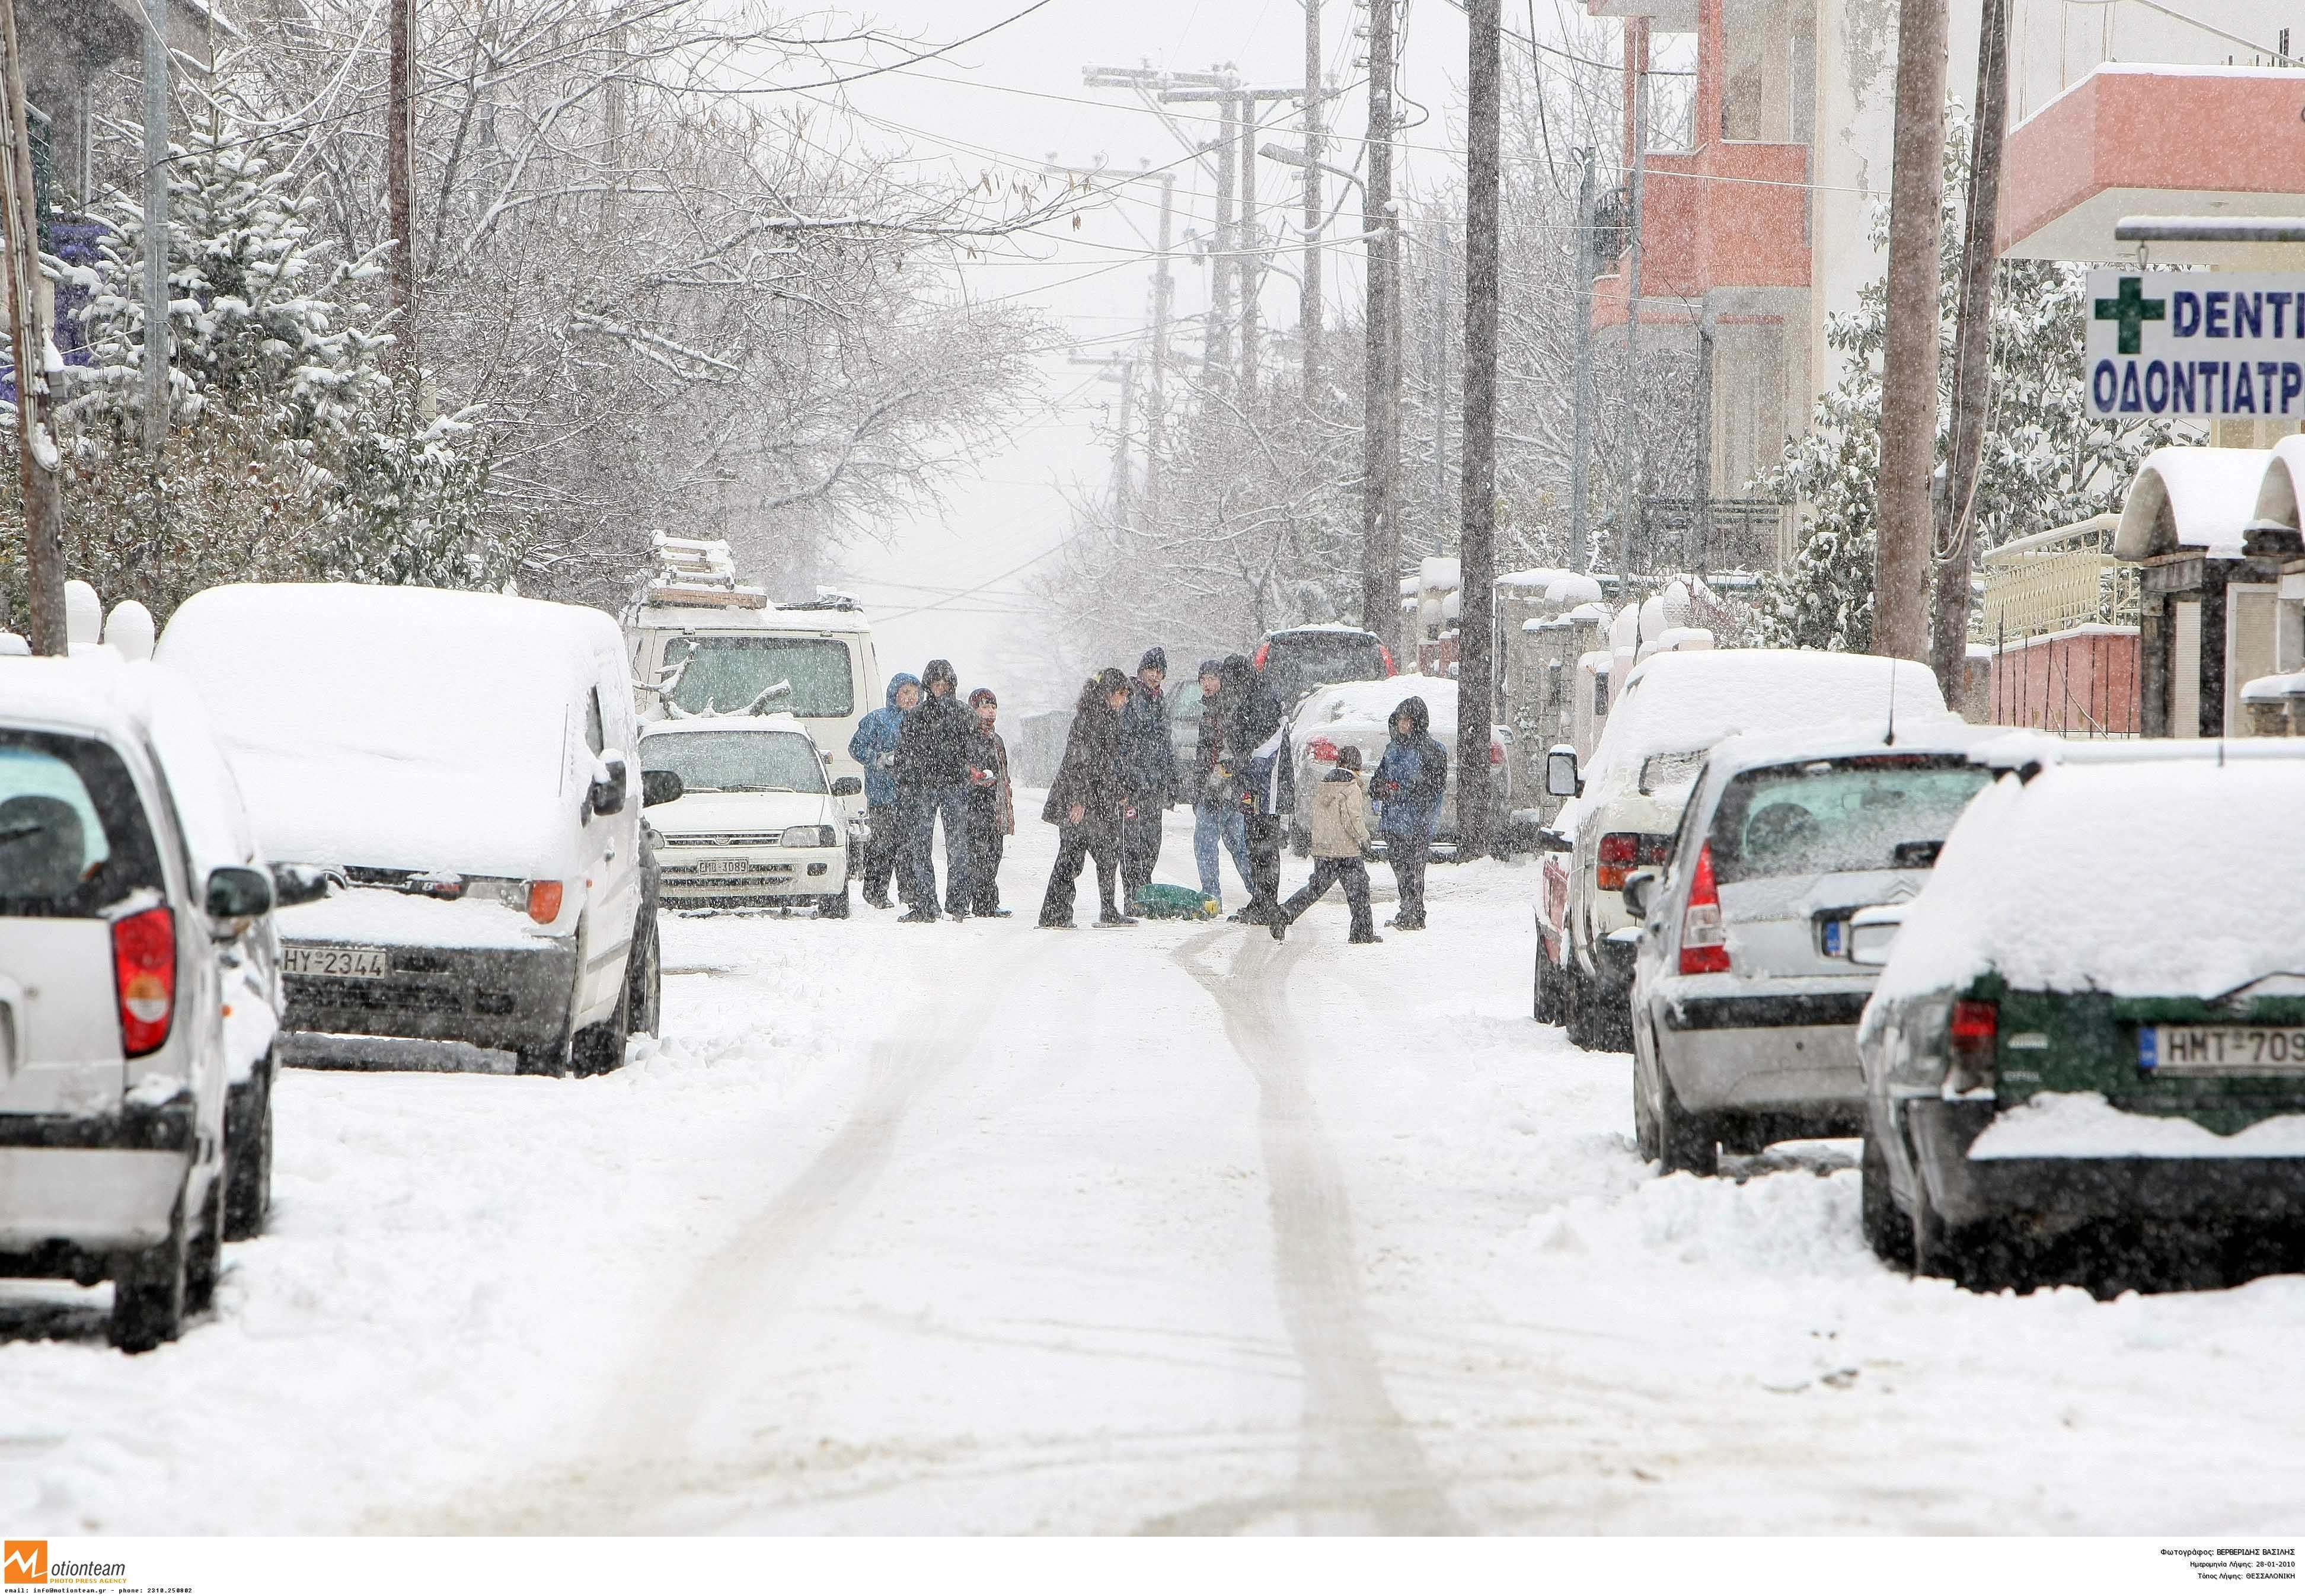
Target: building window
(1768,75)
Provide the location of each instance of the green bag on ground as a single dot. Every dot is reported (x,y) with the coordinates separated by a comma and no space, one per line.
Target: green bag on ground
(1160,901)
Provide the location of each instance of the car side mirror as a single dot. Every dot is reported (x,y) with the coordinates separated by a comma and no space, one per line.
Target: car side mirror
(236,892)
(1560,778)
(1640,893)
(610,790)
(660,787)
(294,884)
(846,786)
(1871,931)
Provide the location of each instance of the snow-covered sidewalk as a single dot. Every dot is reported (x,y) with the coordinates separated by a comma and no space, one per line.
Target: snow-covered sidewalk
(982,1228)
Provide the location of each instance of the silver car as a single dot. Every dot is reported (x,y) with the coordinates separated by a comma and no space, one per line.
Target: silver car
(1744,1003)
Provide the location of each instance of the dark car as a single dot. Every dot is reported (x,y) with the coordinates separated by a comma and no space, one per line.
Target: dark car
(1296,661)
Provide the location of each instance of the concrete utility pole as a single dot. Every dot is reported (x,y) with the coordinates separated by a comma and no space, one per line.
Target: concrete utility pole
(1972,372)
(1636,50)
(1581,508)
(1908,365)
(1122,370)
(157,342)
(1447,267)
(1251,255)
(399,178)
(1164,299)
(1308,303)
(1380,412)
(1216,344)
(1477,547)
(28,335)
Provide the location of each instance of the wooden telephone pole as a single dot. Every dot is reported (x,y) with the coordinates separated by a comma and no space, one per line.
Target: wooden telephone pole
(1380,413)
(1308,302)
(28,333)
(399,177)
(1477,545)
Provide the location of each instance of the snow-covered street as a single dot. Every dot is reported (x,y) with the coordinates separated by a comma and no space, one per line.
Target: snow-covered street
(982,1228)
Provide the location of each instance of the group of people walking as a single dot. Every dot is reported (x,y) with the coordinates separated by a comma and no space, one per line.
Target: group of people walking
(926,758)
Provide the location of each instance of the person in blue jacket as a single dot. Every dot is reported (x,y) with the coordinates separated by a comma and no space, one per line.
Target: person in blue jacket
(1408,784)
(874,747)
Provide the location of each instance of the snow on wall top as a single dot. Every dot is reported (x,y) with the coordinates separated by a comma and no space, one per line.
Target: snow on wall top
(2024,886)
(2276,493)
(2192,498)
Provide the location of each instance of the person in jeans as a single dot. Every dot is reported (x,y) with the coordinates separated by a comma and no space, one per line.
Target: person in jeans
(1216,800)
(991,806)
(874,747)
(1086,803)
(1149,757)
(1256,754)
(1409,781)
(1340,830)
(933,777)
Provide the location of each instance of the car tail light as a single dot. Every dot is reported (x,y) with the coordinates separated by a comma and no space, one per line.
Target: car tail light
(1322,749)
(544,902)
(1703,942)
(1257,660)
(1385,654)
(1622,851)
(144,969)
(1976,1036)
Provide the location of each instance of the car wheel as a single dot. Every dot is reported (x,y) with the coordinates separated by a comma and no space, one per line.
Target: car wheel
(248,1166)
(1547,1006)
(835,907)
(204,1251)
(1887,1231)
(645,977)
(1580,1005)
(1646,1139)
(148,1298)
(546,1058)
(600,1049)
(1685,1140)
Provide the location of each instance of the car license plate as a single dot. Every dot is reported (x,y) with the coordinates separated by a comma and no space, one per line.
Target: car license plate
(725,867)
(2220,1049)
(302,959)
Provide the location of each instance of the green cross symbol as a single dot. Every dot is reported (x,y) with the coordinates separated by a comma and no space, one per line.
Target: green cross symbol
(2132,309)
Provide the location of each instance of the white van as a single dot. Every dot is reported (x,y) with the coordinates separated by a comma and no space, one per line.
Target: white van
(458,762)
(701,644)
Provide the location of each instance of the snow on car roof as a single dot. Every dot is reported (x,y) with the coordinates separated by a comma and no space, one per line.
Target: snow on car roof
(2115,878)
(1943,732)
(1376,701)
(781,721)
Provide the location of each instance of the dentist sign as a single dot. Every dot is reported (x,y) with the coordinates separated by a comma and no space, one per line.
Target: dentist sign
(2195,344)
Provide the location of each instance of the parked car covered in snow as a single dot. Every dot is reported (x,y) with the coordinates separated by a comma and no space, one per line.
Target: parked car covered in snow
(1625,804)
(138,992)
(2096,1011)
(758,819)
(456,762)
(1359,714)
(1296,659)
(1744,1002)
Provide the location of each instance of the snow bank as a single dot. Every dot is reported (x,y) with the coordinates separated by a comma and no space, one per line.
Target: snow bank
(2024,884)
(2082,1124)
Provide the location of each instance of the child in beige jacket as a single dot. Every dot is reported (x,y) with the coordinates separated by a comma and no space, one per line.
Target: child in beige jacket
(1340,830)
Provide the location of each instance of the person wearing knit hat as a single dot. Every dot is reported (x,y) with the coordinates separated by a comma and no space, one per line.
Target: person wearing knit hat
(1148,761)
(932,780)
(991,806)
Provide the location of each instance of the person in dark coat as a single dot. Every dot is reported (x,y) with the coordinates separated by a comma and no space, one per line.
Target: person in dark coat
(1148,756)
(874,747)
(932,778)
(1217,819)
(992,805)
(1085,803)
(1256,756)
(1409,781)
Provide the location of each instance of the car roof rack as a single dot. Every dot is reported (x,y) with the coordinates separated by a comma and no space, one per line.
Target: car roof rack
(698,571)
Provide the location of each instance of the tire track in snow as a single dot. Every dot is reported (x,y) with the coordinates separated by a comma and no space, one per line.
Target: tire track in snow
(641,1455)
(1360,1467)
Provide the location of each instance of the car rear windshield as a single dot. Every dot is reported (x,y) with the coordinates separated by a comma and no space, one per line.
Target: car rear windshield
(727,673)
(1304,658)
(74,836)
(735,761)
(1877,813)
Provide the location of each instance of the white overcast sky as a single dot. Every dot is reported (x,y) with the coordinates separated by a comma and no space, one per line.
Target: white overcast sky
(1016,97)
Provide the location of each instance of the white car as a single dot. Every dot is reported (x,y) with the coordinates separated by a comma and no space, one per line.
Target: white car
(759,818)
(138,992)
(1627,805)
(1360,714)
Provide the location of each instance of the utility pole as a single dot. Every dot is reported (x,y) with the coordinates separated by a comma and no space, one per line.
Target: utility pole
(1636,50)
(1251,256)
(1701,520)
(1972,372)
(156,226)
(1216,344)
(1908,365)
(1477,545)
(400,182)
(1308,304)
(28,334)
(1164,295)
(1580,509)
(1381,413)
(1447,266)
(1122,370)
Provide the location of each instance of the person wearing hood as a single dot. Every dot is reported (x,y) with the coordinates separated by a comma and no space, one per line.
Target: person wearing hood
(1409,781)
(1256,757)
(1085,803)
(1148,757)
(1216,799)
(933,779)
(874,747)
(992,805)
(1340,830)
